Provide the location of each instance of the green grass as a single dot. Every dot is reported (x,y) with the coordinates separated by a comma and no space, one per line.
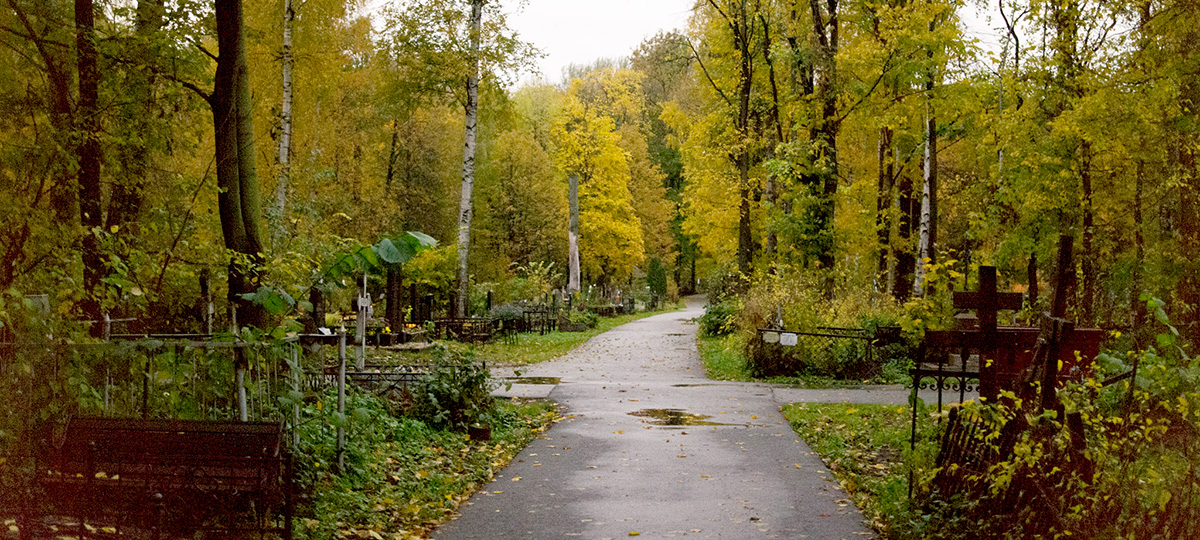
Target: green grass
(534,348)
(403,477)
(865,446)
(724,361)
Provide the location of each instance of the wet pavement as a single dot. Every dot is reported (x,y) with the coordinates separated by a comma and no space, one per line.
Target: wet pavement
(649,447)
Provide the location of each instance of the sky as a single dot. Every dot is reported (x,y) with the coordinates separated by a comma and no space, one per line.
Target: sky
(581,31)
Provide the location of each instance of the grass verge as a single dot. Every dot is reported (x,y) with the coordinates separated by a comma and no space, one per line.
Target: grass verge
(535,348)
(724,360)
(402,477)
(866,446)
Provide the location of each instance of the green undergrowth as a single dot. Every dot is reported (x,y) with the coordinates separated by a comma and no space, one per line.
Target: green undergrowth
(865,446)
(532,348)
(401,477)
(724,360)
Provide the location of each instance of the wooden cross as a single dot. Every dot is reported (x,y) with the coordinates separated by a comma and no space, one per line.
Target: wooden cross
(986,301)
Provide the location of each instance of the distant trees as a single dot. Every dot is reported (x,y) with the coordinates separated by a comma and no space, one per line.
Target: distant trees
(769,136)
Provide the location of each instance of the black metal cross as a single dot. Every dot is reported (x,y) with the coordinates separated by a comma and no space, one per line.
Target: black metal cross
(986,301)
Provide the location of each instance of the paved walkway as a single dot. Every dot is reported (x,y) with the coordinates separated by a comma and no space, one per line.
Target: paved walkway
(650,447)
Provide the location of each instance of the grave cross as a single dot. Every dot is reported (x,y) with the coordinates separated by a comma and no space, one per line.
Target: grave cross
(986,301)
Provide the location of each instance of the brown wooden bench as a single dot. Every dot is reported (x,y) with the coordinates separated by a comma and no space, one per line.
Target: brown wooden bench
(168,477)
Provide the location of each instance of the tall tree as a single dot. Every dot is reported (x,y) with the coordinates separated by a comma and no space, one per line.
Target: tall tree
(89,154)
(237,175)
(827,123)
(283,159)
(737,18)
(927,244)
(468,167)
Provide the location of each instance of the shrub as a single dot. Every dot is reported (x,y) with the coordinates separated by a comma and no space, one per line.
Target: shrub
(719,319)
(584,317)
(454,393)
(1115,461)
(793,298)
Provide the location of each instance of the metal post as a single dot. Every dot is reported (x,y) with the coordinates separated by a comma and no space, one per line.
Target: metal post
(238,366)
(295,367)
(341,405)
(364,312)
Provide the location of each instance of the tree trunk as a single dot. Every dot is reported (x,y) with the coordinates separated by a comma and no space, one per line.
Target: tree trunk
(885,185)
(740,24)
(470,126)
(906,261)
(395,297)
(88,153)
(1189,240)
(927,245)
(573,278)
(285,128)
(825,130)
(128,194)
(238,199)
(1139,241)
(1087,315)
(1031,275)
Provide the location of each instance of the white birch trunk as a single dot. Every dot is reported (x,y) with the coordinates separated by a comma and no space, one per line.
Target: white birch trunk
(573,279)
(927,243)
(468,180)
(285,126)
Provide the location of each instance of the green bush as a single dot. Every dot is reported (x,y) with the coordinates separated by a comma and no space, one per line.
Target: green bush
(1116,461)
(794,298)
(719,319)
(455,393)
(585,317)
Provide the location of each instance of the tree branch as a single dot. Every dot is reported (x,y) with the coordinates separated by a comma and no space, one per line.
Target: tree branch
(696,54)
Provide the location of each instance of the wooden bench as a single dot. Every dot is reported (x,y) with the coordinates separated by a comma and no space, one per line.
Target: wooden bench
(168,477)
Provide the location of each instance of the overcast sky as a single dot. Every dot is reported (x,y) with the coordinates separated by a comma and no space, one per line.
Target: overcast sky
(580,31)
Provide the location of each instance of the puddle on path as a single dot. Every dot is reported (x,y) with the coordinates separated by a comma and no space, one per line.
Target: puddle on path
(533,380)
(674,417)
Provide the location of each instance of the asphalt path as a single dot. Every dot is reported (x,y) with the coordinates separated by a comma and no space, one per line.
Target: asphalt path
(649,447)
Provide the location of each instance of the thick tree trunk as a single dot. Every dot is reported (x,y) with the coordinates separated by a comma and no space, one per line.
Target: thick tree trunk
(283,159)
(740,24)
(825,131)
(238,198)
(395,297)
(88,153)
(573,278)
(462,297)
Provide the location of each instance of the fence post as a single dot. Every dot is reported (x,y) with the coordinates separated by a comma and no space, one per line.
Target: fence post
(295,366)
(341,405)
(239,366)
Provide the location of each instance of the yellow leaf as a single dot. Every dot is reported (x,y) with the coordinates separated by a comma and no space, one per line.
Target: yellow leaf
(634,533)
